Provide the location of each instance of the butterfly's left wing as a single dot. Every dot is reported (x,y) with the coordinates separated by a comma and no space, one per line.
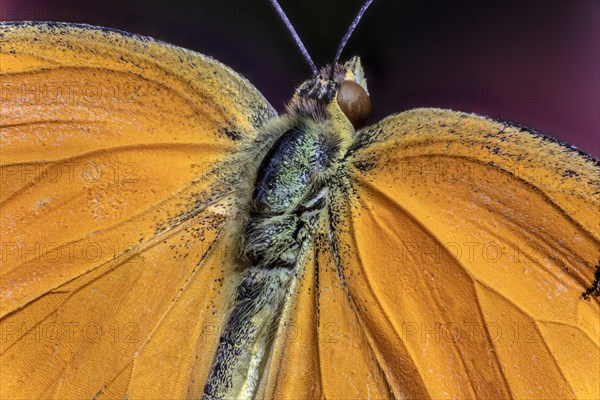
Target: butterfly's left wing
(117,166)
(465,245)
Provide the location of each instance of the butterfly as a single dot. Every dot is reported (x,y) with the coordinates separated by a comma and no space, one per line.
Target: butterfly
(166,234)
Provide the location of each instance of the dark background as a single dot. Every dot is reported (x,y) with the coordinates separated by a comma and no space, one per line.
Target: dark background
(535,63)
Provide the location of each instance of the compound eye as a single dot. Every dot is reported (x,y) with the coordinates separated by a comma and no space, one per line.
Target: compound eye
(355,103)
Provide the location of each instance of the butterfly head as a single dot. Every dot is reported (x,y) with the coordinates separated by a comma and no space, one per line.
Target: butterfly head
(342,91)
(337,92)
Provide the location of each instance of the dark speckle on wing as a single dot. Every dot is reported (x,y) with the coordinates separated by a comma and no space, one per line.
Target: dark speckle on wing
(231,134)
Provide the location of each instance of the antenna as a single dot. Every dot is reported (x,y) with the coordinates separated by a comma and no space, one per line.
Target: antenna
(338,53)
(303,50)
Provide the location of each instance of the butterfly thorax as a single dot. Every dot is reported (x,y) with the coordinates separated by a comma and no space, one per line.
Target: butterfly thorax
(289,192)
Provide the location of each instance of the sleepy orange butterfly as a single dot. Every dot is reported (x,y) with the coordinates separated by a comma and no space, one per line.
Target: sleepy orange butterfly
(165,234)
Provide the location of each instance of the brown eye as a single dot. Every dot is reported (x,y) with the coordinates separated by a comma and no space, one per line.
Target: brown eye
(355,103)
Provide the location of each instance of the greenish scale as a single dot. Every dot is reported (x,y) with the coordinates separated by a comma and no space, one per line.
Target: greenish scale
(289,193)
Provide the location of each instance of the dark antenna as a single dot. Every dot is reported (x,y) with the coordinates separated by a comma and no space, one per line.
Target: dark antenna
(303,50)
(338,53)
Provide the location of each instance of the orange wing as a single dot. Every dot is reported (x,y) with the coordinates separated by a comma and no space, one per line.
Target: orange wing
(115,185)
(464,245)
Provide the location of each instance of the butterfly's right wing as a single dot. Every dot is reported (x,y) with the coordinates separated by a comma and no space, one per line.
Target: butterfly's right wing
(464,245)
(116,182)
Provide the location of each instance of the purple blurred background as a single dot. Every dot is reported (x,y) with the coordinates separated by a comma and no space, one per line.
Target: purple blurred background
(535,63)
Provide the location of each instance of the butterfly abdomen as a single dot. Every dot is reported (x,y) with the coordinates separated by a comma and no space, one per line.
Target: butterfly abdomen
(243,344)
